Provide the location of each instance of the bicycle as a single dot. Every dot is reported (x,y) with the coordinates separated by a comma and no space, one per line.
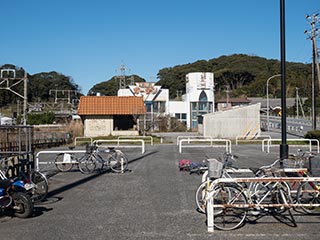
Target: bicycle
(116,160)
(306,192)
(64,162)
(205,185)
(227,195)
(36,183)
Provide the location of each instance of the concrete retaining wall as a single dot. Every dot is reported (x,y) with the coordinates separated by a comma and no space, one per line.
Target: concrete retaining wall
(239,121)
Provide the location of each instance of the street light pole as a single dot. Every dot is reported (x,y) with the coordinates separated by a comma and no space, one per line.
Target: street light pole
(278,75)
(284,149)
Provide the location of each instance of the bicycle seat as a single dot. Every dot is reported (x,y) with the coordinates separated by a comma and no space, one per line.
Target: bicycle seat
(111,148)
(71,147)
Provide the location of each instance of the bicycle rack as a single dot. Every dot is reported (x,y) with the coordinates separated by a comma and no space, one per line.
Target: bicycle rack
(210,206)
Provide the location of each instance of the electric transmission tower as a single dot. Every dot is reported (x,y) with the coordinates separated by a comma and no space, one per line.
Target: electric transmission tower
(122,77)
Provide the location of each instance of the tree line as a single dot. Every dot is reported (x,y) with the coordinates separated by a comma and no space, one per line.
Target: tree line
(242,75)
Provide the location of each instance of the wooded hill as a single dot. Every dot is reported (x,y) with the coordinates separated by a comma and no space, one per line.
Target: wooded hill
(241,74)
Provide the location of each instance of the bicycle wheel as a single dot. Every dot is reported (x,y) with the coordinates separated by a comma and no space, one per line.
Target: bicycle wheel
(87,163)
(281,195)
(63,162)
(118,161)
(201,192)
(40,189)
(228,217)
(308,193)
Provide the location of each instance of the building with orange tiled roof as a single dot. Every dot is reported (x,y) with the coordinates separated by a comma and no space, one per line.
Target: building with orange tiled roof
(110,115)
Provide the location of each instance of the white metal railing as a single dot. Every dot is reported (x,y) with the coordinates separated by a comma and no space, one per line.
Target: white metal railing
(269,141)
(260,138)
(191,137)
(37,159)
(210,195)
(118,141)
(146,138)
(227,143)
(83,140)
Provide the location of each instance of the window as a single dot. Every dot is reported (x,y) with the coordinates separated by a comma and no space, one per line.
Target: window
(203,97)
(182,117)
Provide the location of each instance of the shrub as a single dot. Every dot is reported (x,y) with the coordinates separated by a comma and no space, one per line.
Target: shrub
(313,135)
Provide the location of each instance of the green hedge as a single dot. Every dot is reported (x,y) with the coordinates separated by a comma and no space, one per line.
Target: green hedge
(313,135)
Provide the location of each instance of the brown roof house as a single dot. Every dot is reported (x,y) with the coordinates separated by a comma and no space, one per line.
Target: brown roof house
(110,115)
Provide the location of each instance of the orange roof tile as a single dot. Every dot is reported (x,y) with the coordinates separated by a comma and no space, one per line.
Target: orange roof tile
(110,105)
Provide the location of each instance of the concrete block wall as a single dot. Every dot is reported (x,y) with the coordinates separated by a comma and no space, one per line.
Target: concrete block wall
(98,126)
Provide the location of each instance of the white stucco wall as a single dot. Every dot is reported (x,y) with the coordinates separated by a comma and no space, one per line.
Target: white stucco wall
(197,82)
(177,107)
(239,121)
(95,126)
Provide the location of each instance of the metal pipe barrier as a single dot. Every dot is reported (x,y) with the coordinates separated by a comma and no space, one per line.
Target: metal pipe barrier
(240,138)
(118,141)
(138,137)
(37,161)
(227,144)
(210,203)
(191,137)
(293,140)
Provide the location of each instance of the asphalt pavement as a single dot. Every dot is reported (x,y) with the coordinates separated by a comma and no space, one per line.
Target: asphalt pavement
(153,200)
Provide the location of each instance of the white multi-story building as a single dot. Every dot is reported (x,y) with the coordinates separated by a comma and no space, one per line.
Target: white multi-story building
(198,100)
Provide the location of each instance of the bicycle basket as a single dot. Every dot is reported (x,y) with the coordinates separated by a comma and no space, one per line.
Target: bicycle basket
(214,168)
(293,162)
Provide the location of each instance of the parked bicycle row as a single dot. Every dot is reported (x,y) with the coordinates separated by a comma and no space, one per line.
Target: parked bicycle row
(19,192)
(94,158)
(275,189)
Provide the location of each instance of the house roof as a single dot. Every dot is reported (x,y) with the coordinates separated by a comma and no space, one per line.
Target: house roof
(234,100)
(110,105)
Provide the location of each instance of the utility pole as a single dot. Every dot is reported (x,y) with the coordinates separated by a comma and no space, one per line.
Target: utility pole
(8,81)
(227,92)
(313,20)
(297,102)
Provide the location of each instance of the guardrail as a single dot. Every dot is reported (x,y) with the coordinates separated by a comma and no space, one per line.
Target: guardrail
(240,138)
(138,137)
(269,141)
(210,198)
(227,144)
(118,141)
